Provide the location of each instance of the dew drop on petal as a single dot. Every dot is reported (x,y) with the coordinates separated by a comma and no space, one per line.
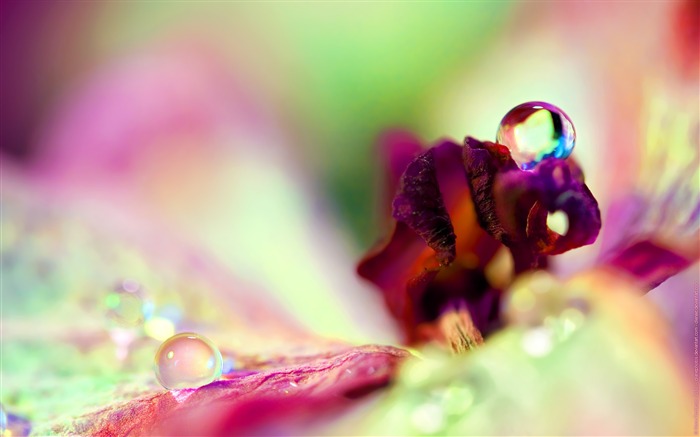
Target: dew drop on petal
(187,360)
(457,398)
(532,298)
(538,341)
(534,131)
(428,418)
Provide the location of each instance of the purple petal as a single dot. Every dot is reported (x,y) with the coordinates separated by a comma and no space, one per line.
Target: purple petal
(420,205)
(513,204)
(434,202)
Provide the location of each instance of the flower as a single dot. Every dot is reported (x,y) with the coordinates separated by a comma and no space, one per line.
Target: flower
(236,246)
(455,207)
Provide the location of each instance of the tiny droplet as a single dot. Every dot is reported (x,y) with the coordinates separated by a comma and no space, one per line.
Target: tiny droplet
(126,304)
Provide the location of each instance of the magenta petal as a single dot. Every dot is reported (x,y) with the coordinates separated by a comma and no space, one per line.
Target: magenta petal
(649,263)
(393,265)
(285,393)
(634,243)
(420,205)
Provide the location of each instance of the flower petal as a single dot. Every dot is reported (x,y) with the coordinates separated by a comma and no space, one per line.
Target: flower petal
(423,267)
(420,205)
(513,205)
(648,262)
(280,391)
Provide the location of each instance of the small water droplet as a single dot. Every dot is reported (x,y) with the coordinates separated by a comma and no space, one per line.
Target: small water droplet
(531,298)
(187,360)
(548,310)
(126,304)
(534,131)
(456,399)
(428,418)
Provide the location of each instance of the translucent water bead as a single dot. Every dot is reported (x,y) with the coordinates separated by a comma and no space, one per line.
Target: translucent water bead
(547,310)
(127,305)
(187,360)
(534,131)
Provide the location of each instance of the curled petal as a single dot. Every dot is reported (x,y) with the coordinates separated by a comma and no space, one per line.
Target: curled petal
(483,161)
(513,205)
(436,252)
(420,205)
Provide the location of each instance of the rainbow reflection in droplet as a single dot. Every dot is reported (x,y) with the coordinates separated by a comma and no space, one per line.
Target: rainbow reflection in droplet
(187,360)
(534,131)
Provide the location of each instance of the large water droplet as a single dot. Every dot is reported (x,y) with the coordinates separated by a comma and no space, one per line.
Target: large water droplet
(534,131)
(187,360)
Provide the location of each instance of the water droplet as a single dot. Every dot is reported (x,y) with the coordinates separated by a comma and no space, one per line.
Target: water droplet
(534,131)
(532,298)
(126,304)
(187,360)
(428,418)
(538,341)
(457,398)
